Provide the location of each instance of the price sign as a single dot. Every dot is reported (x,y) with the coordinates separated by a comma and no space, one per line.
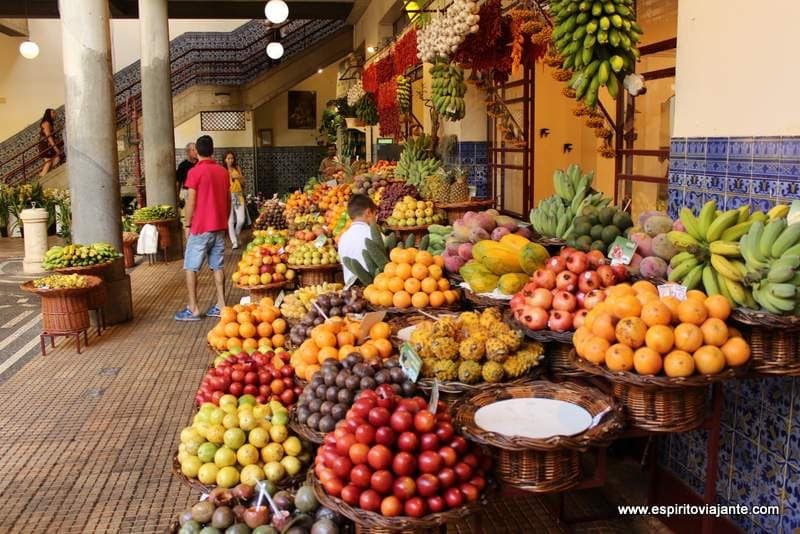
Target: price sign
(279,299)
(244,300)
(672,290)
(410,362)
(368,322)
(331,183)
(621,251)
(320,241)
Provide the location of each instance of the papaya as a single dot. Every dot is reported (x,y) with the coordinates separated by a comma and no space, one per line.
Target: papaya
(497,257)
(533,256)
(479,278)
(512,282)
(517,242)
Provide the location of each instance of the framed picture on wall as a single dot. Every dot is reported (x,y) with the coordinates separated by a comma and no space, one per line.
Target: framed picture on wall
(265,137)
(302,110)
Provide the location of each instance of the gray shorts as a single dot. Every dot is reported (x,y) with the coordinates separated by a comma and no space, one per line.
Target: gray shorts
(200,246)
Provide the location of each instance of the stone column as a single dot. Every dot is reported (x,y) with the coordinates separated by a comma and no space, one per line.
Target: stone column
(92,166)
(158,126)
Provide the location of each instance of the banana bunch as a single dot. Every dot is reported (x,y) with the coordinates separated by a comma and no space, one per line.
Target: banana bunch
(366,110)
(61,281)
(447,91)
(597,41)
(554,215)
(771,253)
(155,213)
(712,250)
(403,93)
(59,257)
(415,164)
(572,182)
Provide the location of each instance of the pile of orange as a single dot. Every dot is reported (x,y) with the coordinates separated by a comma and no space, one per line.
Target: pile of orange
(337,338)
(412,278)
(635,329)
(250,327)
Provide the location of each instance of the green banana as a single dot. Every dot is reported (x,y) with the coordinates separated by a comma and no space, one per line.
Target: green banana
(789,237)
(723,287)
(709,281)
(691,280)
(690,223)
(679,272)
(784,291)
(720,224)
(683,240)
(736,231)
(754,237)
(706,217)
(772,230)
(679,258)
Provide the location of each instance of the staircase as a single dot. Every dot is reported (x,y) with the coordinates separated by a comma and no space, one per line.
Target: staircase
(199,61)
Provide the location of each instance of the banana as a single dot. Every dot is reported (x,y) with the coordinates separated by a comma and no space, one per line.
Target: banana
(772,230)
(784,269)
(725,248)
(744,214)
(762,299)
(706,217)
(754,238)
(784,291)
(737,230)
(690,223)
(683,240)
(710,281)
(720,224)
(679,272)
(679,258)
(736,290)
(772,302)
(725,268)
(789,237)
(778,211)
(723,287)
(759,216)
(691,280)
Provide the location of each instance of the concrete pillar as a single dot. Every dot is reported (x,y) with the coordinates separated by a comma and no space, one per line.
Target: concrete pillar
(92,166)
(35,223)
(158,127)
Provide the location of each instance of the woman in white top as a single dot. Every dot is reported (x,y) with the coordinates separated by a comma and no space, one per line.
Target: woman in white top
(362,212)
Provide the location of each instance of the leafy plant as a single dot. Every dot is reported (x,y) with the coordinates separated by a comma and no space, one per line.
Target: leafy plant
(331,122)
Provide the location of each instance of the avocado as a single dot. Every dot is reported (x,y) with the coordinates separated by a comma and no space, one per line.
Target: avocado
(609,234)
(599,245)
(606,215)
(583,228)
(583,243)
(596,231)
(622,220)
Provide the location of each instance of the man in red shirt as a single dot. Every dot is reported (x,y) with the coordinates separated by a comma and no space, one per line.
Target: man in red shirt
(208,205)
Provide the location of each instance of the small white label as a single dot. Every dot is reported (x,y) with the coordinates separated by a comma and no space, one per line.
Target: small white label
(410,362)
(320,241)
(279,299)
(331,183)
(672,290)
(244,300)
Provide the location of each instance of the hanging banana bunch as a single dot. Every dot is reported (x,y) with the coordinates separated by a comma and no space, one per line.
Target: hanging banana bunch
(447,91)
(403,93)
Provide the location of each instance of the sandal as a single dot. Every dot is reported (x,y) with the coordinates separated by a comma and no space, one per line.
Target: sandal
(186,315)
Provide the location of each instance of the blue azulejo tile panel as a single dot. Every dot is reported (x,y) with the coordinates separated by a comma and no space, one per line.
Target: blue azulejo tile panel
(768,148)
(717,148)
(284,169)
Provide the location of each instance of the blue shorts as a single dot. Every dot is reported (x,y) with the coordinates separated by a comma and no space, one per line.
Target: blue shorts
(200,246)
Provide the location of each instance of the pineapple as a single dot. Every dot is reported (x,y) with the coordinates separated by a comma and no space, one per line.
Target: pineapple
(492,372)
(437,188)
(512,339)
(472,348)
(445,370)
(469,319)
(459,190)
(469,372)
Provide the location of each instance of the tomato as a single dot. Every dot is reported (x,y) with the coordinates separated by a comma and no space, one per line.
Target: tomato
(479,482)
(358,453)
(236,389)
(237,375)
(250,389)
(277,386)
(385,396)
(408,405)
(370,500)
(362,407)
(325,474)
(287,397)
(436,504)
(352,423)
(424,421)
(385,436)
(341,467)
(288,382)
(447,477)
(404,464)
(408,442)
(415,507)
(365,434)
(391,506)
(453,497)
(369,395)
(429,462)
(381,481)
(422,404)
(404,488)
(264,390)
(429,442)
(449,456)
(427,485)
(360,476)
(469,492)
(401,421)
(471,460)
(459,444)
(464,471)
(251,378)
(351,494)
(378,416)
(287,371)
(216,395)
(333,487)
(379,457)
(445,432)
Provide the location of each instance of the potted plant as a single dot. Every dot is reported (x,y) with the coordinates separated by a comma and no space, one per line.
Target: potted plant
(23,197)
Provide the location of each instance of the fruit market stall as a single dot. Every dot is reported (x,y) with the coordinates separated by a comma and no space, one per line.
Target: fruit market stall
(162,217)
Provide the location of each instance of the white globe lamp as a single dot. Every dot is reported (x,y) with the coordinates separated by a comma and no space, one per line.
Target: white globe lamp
(29,49)
(275,50)
(276,11)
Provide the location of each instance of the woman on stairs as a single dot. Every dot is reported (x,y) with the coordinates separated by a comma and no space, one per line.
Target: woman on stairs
(48,143)
(237,217)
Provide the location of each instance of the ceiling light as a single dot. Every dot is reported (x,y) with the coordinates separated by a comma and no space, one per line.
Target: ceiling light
(29,49)
(370,49)
(275,50)
(319,71)
(276,11)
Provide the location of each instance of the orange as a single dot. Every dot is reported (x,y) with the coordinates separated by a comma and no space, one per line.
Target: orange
(278,340)
(279,326)
(424,258)
(646,361)
(369,293)
(715,331)
(619,357)
(435,270)
(420,300)
(404,271)
(437,299)
(384,347)
(334,325)
(323,338)
(395,284)
(264,343)
(219,330)
(678,363)
(581,334)
(396,254)
(374,297)
(404,256)
(326,353)
(308,352)
(693,311)
(443,283)
(345,338)
(264,330)
(594,349)
(238,308)
(736,351)
(222,343)
(369,351)
(419,271)
(451,296)
(709,360)
(646,297)
(438,261)
(718,306)
(227,315)
(269,314)
(604,326)
(401,299)
(250,344)
(412,285)
(619,290)
(660,338)
(672,303)
(266,301)
(656,312)
(429,285)
(247,330)
(381,282)
(631,331)
(390,269)
(643,286)
(310,371)
(626,306)
(734,332)
(696,294)
(232,330)
(244,317)
(380,330)
(688,337)
(232,342)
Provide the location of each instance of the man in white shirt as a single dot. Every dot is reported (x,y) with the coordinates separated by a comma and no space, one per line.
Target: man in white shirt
(362,211)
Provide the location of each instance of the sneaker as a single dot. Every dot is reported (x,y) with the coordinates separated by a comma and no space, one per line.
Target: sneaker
(186,315)
(213,311)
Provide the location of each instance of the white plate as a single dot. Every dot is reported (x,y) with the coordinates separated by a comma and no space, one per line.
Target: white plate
(533,418)
(494,294)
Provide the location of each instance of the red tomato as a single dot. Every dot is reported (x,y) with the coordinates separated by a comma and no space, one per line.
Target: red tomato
(404,488)
(459,444)
(277,386)
(464,471)
(404,464)
(436,504)
(407,441)
(444,431)
(385,436)
(365,434)
(378,416)
(381,481)
(415,507)
(449,456)
(379,457)
(429,462)
(429,442)
(401,421)
(447,477)
(370,500)
(469,492)
(351,494)
(391,506)
(479,482)
(424,421)
(360,476)
(427,485)
(453,498)
(333,487)
(341,467)
(358,453)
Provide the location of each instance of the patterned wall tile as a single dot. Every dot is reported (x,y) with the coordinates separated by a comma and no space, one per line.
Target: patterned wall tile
(284,169)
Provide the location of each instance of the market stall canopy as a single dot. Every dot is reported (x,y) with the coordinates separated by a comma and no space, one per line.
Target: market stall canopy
(191,9)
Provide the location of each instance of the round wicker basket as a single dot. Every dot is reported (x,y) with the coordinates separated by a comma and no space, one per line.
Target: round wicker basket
(65,311)
(287,483)
(304,431)
(268,290)
(311,275)
(774,341)
(456,210)
(541,465)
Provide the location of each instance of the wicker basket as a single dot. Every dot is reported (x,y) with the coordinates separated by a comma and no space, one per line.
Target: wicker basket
(98,296)
(404,231)
(269,290)
(374,523)
(559,363)
(452,392)
(287,483)
(457,210)
(482,301)
(774,341)
(541,465)
(660,403)
(65,311)
(304,431)
(311,275)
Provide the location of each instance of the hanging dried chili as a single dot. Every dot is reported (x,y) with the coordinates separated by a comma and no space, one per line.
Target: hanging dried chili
(369,78)
(405,52)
